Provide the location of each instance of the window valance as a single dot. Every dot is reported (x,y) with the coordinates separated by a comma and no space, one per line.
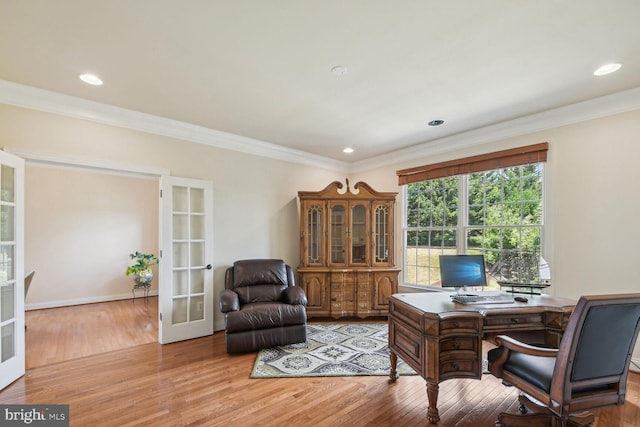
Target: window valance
(529,154)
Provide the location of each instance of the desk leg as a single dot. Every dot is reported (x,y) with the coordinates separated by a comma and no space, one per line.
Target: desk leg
(393,359)
(432,395)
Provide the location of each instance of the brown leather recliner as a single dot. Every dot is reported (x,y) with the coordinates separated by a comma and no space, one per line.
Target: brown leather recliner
(262,306)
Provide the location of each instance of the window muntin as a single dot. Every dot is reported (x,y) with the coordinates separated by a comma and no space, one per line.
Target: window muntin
(501,210)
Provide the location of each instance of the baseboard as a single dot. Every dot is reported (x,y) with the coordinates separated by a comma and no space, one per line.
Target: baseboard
(635,365)
(80,301)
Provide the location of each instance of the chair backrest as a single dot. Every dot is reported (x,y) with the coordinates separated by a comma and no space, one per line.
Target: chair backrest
(27,283)
(259,280)
(597,346)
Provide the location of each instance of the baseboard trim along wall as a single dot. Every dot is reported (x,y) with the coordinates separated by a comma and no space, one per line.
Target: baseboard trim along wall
(80,301)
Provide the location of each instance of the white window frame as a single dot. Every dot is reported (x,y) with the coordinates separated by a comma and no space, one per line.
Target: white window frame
(462,226)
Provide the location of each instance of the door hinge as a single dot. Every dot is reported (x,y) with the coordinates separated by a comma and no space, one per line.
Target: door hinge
(161,317)
(160,193)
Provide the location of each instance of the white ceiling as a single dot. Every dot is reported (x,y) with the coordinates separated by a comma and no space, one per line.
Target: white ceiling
(262,69)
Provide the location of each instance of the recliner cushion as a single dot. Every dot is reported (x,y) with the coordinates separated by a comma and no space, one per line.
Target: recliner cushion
(260,293)
(265,315)
(259,271)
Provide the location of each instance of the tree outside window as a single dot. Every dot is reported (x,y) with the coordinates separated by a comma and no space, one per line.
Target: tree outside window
(500,211)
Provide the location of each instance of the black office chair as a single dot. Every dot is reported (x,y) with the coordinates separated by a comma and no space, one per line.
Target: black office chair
(588,371)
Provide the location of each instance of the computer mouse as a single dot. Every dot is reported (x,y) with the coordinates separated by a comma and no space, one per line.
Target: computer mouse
(521,299)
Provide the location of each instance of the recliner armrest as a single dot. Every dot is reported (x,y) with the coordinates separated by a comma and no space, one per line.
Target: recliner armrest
(229,301)
(295,295)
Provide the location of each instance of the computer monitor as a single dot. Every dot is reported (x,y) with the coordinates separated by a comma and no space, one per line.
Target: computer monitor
(459,271)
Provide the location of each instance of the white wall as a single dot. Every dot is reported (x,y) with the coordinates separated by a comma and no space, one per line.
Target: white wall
(255,198)
(593,190)
(80,228)
(593,202)
(592,196)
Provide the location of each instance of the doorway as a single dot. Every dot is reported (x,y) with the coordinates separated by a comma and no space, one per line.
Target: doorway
(81,225)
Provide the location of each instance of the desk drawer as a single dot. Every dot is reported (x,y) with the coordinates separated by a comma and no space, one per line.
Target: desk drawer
(460,325)
(459,368)
(501,321)
(459,344)
(407,343)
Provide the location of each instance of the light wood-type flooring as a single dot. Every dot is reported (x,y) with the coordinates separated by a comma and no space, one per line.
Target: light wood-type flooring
(103,360)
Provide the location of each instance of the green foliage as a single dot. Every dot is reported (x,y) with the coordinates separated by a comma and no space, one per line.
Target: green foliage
(504,212)
(143,263)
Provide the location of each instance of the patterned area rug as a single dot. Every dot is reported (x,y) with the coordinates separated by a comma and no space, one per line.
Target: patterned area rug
(331,350)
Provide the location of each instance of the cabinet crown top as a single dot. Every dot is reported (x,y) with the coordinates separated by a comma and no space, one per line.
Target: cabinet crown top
(362,190)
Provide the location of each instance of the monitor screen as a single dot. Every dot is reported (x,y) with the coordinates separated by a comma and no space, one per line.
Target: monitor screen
(457,271)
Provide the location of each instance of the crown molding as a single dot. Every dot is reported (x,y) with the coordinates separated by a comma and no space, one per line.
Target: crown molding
(52,102)
(620,102)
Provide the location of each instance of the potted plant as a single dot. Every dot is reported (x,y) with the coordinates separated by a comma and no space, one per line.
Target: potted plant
(141,270)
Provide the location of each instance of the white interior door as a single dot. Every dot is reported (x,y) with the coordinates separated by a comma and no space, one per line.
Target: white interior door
(12,347)
(186,259)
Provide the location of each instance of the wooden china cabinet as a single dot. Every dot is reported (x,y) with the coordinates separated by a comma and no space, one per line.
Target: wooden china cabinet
(346,251)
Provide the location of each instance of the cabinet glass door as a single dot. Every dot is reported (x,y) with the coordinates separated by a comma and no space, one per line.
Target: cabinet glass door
(338,230)
(312,246)
(358,234)
(382,239)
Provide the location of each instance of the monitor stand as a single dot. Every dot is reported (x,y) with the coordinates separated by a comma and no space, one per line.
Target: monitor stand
(461,291)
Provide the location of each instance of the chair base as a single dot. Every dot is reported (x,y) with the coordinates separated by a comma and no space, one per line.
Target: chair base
(537,415)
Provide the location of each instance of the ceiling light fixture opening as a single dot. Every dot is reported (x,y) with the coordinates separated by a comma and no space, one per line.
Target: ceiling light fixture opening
(607,69)
(348,150)
(91,79)
(339,70)
(435,122)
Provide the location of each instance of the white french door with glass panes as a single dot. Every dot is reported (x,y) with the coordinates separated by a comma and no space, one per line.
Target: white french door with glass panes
(12,346)
(186,259)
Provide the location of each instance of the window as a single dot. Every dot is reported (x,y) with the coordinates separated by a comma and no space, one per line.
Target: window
(493,212)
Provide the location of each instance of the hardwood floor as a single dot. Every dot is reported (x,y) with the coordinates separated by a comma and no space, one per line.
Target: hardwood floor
(58,334)
(108,382)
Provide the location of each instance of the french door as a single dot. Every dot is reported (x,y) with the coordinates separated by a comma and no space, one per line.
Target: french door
(12,345)
(186,259)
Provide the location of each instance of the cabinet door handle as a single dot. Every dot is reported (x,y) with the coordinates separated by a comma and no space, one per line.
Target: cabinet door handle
(514,320)
(456,345)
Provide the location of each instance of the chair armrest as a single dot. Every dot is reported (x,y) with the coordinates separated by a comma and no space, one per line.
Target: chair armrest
(229,301)
(499,356)
(532,350)
(295,295)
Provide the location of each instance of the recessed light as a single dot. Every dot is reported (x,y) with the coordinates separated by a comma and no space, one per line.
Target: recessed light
(348,150)
(435,122)
(91,79)
(339,70)
(607,69)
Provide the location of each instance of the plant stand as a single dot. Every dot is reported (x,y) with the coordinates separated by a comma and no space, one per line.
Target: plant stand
(145,287)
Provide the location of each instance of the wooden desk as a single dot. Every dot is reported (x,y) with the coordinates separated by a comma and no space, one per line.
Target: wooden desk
(441,339)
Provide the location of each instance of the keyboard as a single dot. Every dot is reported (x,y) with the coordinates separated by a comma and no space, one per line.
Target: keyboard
(482,299)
